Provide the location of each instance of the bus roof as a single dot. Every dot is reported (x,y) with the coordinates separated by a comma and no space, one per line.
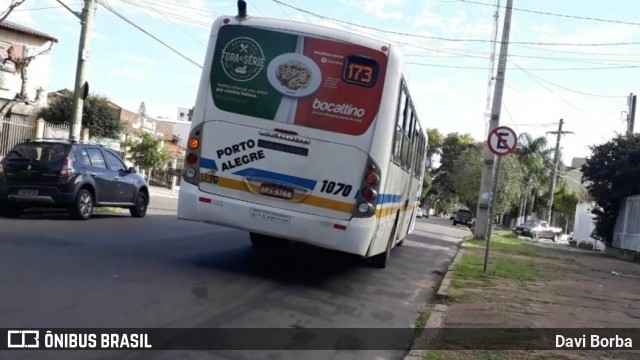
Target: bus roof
(310,29)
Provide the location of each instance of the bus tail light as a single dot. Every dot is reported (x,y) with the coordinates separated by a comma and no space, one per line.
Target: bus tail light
(193,143)
(193,155)
(371,178)
(369,190)
(368,193)
(190,173)
(192,158)
(365,208)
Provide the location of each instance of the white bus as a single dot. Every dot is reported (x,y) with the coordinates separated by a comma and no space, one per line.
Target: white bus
(304,133)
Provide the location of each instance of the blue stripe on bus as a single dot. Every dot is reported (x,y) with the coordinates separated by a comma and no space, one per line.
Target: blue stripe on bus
(208,164)
(388,198)
(268,175)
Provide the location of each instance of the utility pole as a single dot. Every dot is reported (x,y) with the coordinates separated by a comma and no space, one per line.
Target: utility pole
(556,160)
(631,115)
(486,183)
(81,89)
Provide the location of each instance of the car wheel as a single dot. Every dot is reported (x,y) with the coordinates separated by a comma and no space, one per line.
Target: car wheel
(535,236)
(555,237)
(83,205)
(11,211)
(454,223)
(140,209)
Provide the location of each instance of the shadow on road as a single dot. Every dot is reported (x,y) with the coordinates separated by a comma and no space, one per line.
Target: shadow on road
(62,214)
(295,263)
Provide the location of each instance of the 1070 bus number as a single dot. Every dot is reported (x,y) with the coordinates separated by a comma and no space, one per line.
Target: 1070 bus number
(331,187)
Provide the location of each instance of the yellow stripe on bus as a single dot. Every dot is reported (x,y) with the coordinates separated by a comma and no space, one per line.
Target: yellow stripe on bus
(391,210)
(313,200)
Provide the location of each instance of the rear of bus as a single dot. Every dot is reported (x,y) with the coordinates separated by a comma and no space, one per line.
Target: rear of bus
(282,129)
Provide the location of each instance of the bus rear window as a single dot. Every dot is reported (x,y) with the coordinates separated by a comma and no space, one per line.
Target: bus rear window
(296,79)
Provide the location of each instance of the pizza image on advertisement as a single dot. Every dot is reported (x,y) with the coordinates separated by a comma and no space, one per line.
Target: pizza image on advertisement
(294,75)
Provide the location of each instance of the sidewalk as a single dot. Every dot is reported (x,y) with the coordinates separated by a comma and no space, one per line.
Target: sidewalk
(164,192)
(537,285)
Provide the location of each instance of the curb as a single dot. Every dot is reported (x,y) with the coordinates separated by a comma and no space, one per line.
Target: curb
(446,282)
(169,196)
(436,318)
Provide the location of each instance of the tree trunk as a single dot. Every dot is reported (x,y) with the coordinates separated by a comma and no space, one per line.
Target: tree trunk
(531,205)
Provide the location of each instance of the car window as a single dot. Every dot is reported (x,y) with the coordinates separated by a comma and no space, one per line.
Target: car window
(114,163)
(82,158)
(97,160)
(49,153)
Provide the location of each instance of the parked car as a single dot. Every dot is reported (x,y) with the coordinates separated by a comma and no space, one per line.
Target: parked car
(68,174)
(420,213)
(464,216)
(538,229)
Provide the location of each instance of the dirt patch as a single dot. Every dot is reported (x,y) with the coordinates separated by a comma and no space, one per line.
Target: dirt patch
(555,288)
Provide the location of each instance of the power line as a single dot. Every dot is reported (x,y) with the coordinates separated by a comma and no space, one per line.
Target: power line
(164,16)
(449,39)
(536,69)
(565,88)
(109,8)
(559,15)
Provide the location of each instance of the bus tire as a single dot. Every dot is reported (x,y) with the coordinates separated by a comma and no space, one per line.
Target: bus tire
(381,260)
(258,240)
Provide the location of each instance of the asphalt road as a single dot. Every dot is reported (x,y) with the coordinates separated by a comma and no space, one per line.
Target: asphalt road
(117,271)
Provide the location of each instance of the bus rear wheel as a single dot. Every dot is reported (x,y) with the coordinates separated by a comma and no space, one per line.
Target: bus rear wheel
(261,240)
(381,260)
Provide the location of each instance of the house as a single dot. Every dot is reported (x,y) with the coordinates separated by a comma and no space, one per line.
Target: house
(573,176)
(21,43)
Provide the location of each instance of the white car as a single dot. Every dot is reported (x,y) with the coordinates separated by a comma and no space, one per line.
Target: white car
(420,213)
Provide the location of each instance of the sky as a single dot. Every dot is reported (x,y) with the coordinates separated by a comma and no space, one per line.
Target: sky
(572,59)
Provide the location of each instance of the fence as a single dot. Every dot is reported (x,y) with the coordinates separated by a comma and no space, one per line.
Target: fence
(626,234)
(14,131)
(56,131)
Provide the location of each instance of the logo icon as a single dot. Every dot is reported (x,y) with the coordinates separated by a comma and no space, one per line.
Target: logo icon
(28,167)
(21,339)
(242,59)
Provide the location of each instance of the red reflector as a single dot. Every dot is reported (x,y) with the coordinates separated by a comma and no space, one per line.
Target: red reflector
(226,21)
(192,158)
(339,227)
(205,200)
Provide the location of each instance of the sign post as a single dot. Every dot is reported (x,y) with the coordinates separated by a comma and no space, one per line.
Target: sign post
(502,141)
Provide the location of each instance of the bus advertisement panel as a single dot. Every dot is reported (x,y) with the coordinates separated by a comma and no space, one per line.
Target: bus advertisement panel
(295,79)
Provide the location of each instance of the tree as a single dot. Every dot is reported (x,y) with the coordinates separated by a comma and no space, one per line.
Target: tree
(536,157)
(20,65)
(465,179)
(564,203)
(14,4)
(101,119)
(435,140)
(453,146)
(146,152)
(613,171)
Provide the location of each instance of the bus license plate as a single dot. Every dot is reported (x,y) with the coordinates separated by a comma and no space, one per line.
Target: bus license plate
(27,192)
(276,191)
